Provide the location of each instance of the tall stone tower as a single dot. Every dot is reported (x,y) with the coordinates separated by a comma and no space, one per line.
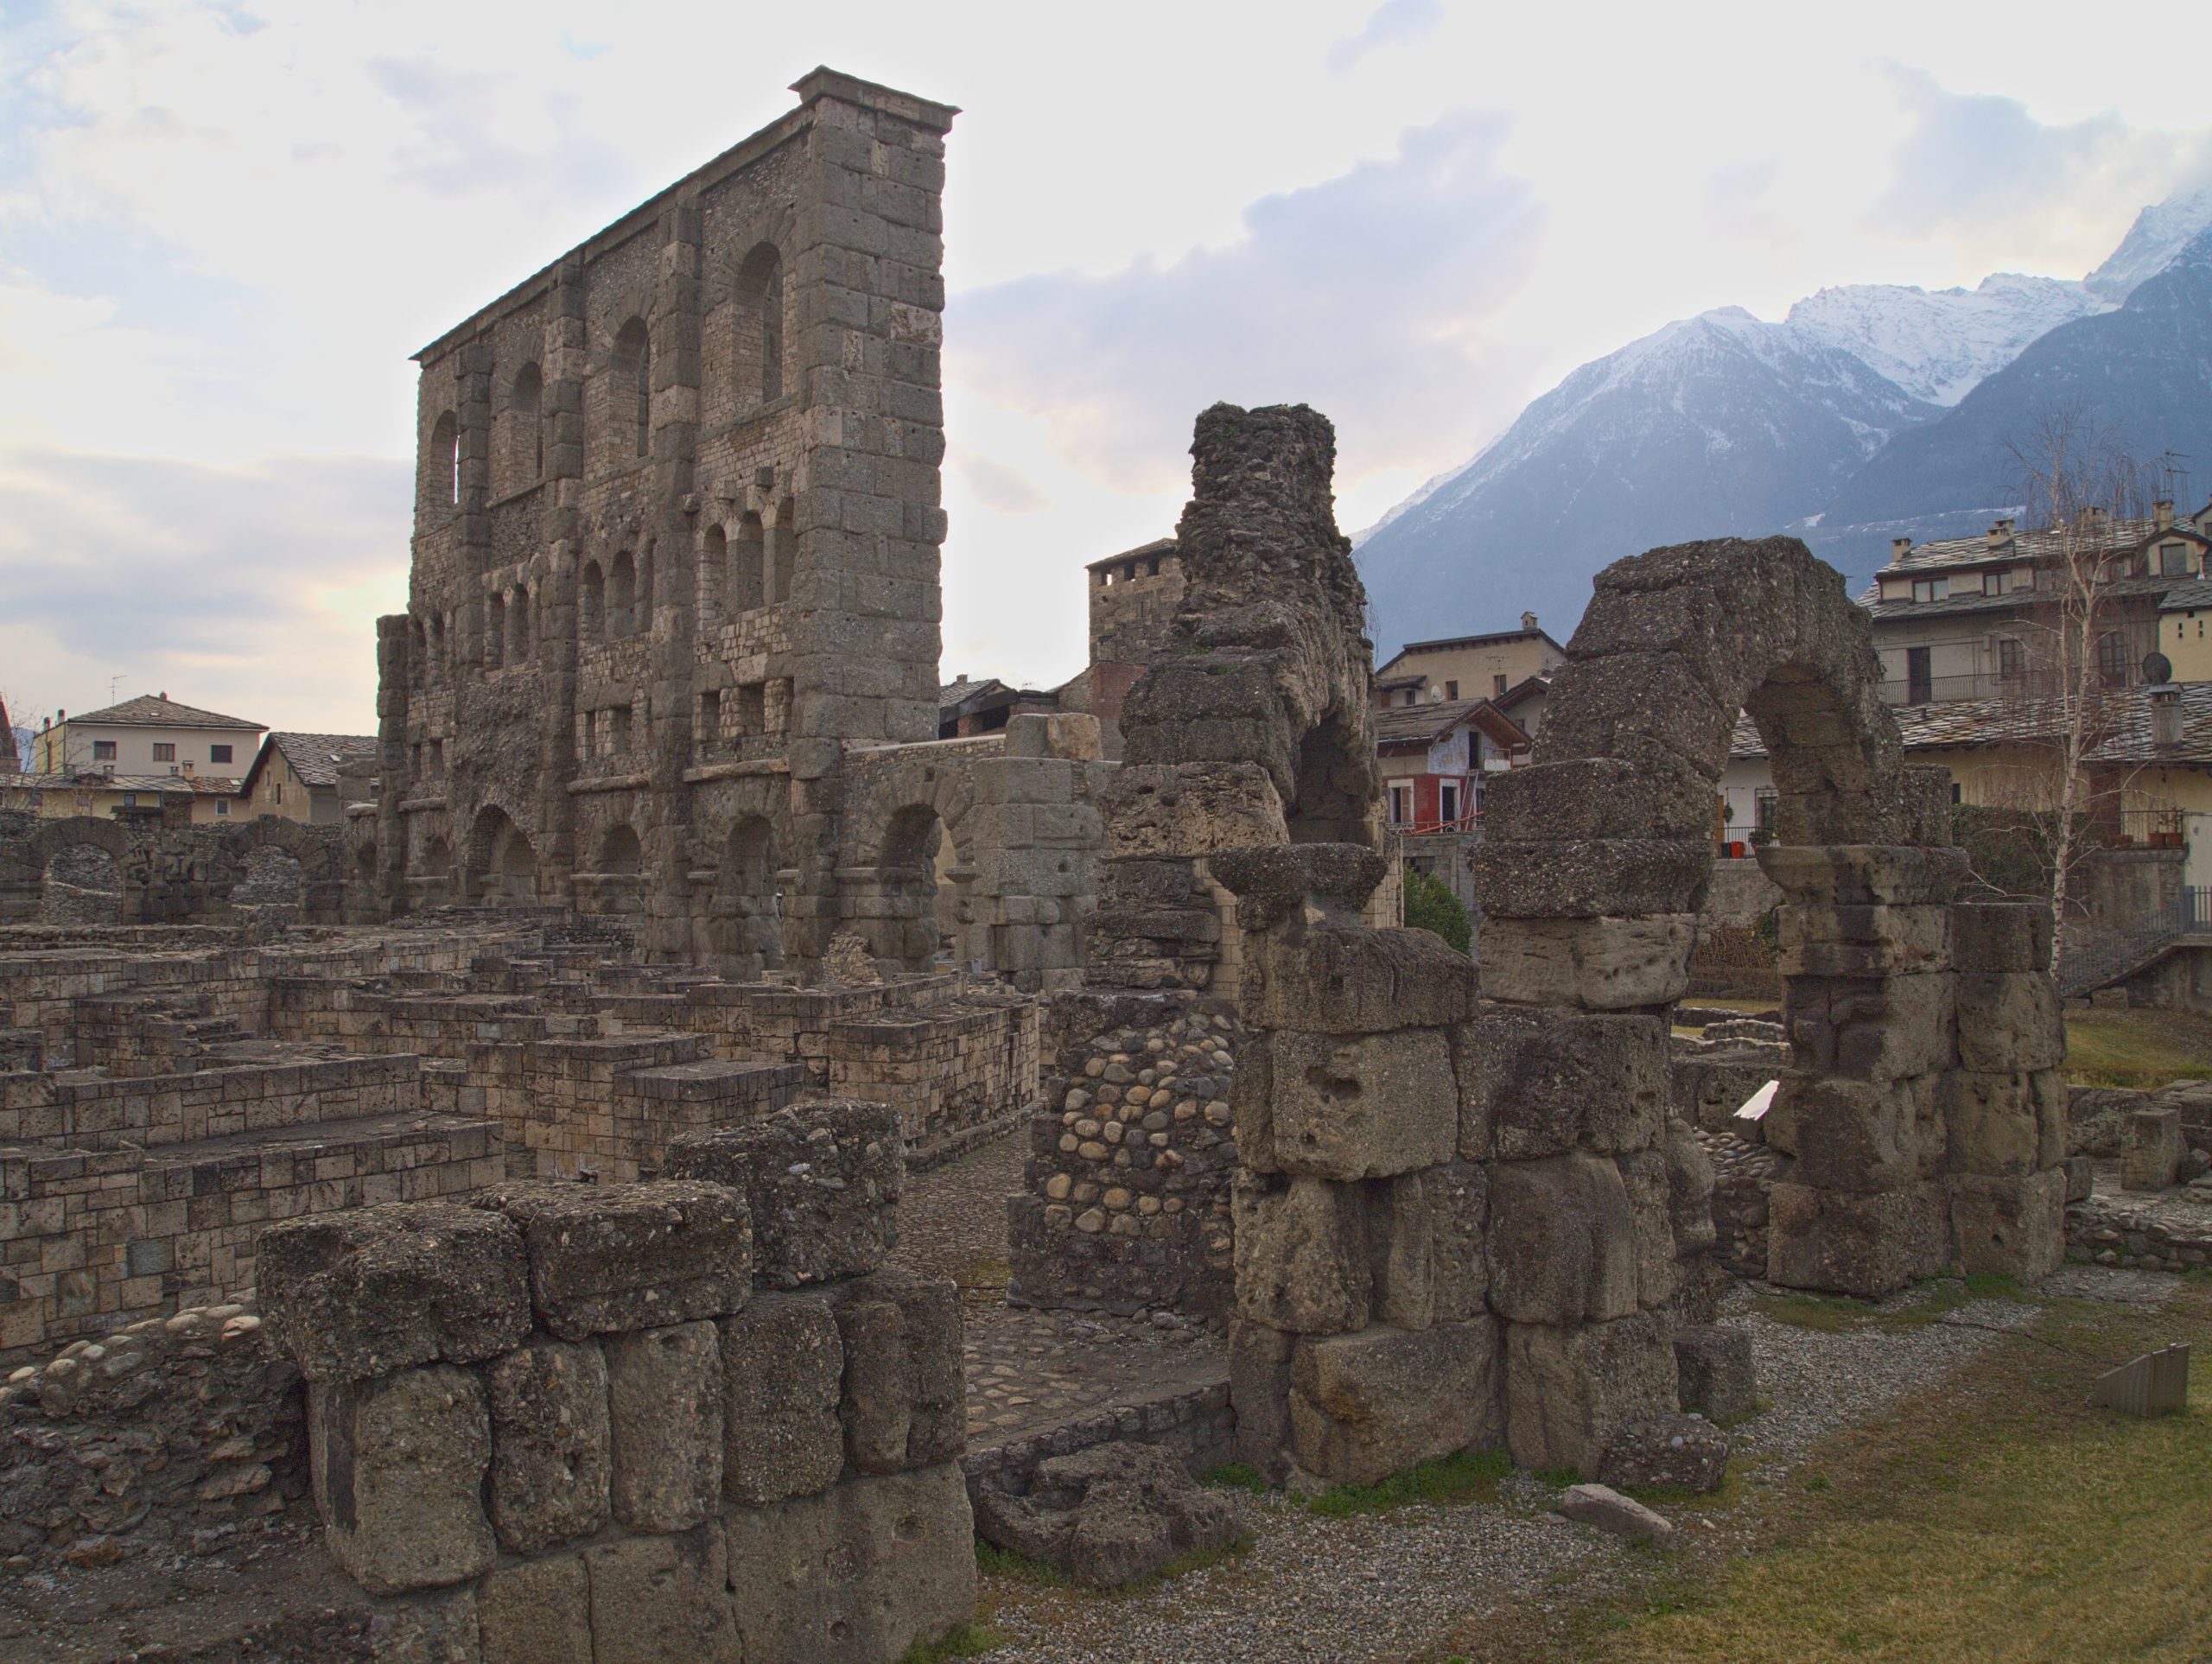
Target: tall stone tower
(676,545)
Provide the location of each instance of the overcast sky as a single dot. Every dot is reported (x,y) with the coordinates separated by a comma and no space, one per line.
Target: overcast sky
(224,227)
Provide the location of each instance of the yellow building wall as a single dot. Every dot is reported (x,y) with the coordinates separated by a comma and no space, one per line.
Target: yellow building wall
(2186,638)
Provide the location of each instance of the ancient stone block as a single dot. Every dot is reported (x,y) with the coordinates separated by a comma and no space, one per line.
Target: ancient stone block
(638,1256)
(549,1443)
(1599,798)
(1864,941)
(1108,1515)
(1990,1122)
(1601,964)
(347,1296)
(1562,1241)
(1190,810)
(2149,1155)
(1366,1406)
(1689,1188)
(665,1412)
(1302,1254)
(1643,1175)
(862,1571)
(1847,1134)
(1623,1516)
(1299,887)
(2011,1225)
(1629,704)
(398,1467)
(1426,1246)
(1873,1028)
(2009,1020)
(1680,1452)
(821,1181)
(1862,874)
(1715,1375)
(662,1600)
(1362,1107)
(536,1612)
(904,1398)
(1569,1391)
(434,1629)
(1343,979)
(1590,877)
(1258,1390)
(783,1365)
(1535,1084)
(1854,1244)
(1989,936)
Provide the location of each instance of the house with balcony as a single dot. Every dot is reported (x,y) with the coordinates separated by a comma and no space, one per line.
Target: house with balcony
(1433,758)
(1980,617)
(1456,669)
(147,755)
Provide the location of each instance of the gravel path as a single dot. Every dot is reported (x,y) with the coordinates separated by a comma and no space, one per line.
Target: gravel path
(1391,1586)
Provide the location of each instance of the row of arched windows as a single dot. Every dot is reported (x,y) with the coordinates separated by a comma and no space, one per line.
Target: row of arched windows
(614,601)
(753,569)
(519,416)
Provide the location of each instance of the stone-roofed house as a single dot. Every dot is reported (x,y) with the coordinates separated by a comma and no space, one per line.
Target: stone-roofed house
(294,776)
(149,756)
(1467,667)
(1971,617)
(1433,759)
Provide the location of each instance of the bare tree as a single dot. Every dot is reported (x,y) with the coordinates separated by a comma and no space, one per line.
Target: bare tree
(2077,479)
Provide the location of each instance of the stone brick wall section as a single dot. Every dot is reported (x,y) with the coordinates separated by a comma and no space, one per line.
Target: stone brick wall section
(677,1419)
(1125,1202)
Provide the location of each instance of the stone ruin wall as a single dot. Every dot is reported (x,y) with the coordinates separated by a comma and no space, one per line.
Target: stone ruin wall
(692,1417)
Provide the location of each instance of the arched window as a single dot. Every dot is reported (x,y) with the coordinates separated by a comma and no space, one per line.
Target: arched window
(418,642)
(495,631)
(748,574)
(760,323)
(524,442)
(437,667)
(621,595)
(591,604)
(780,552)
(631,393)
(2112,659)
(714,574)
(518,626)
(442,463)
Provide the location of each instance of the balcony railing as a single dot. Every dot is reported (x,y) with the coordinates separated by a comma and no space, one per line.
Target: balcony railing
(2138,829)
(1943,689)
(1420,828)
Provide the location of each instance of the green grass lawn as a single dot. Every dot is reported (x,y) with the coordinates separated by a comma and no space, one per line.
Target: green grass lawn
(2137,1047)
(2001,1518)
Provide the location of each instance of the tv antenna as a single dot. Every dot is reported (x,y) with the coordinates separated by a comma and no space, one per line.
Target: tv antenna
(2175,465)
(113,682)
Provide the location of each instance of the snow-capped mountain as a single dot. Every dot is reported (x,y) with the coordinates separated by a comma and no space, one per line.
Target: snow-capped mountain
(1936,345)
(1860,406)
(2159,233)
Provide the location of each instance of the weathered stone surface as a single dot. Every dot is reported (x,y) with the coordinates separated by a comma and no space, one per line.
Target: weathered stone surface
(862,1571)
(1365,1406)
(1854,1244)
(1989,936)
(1301,1248)
(1607,1509)
(1562,1241)
(1863,941)
(536,1612)
(821,1182)
(1716,1377)
(1300,885)
(1601,964)
(1873,1028)
(1643,1175)
(1629,705)
(1258,1389)
(640,1256)
(662,1600)
(1426,1246)
(1990,1123)
(2012,1225)
(1599,798)
(1590,877)
(1569,1391)
(1166,809)
(1680,1451)
(2009,1021)
(1535,1084)
(1339,978)
(904,1403)
(549,1443)
(1361,1107)
(2149,1157)
(399,1464)
(437,1628)
(366,1293)
(665,1409)
(1863,874)
(1847,1134)
(784,1366)
(1108,1515)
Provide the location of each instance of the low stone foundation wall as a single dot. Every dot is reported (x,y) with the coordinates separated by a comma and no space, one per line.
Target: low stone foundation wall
(1198,1425)
(1126,1194)
(2149,1237)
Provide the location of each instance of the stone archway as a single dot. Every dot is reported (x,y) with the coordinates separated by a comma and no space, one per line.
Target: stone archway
(502,867)
(1921,1117)
(746,913)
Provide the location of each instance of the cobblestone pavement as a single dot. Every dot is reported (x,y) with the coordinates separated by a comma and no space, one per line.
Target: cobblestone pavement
(1028,1370)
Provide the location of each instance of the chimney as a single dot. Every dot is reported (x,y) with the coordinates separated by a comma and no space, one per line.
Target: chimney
(1899,548)
(2165,716)
(2162,512)
(1999,535)
(1528,620)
